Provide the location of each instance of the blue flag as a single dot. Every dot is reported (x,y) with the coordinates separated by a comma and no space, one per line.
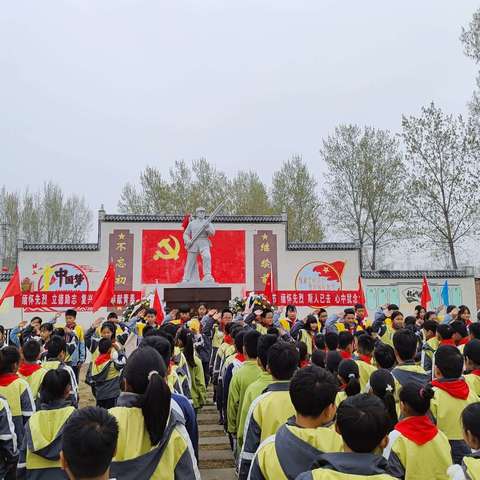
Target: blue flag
(444,294)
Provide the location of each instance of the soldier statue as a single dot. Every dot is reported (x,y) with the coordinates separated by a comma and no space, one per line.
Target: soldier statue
(196,238)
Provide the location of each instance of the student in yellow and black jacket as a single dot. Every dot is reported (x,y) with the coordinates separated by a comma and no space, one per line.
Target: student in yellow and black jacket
(152,443)
(417,448)
(15,390)
(56,351)
(30,368)
(363,424)
(298,443)
(470,468)
(452,395)
(8,442)
(91,457)
(105,374)
(40,450)
(471,352)
(273,408)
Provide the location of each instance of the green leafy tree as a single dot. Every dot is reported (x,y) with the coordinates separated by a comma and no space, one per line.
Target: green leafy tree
(248,195)
(294,191)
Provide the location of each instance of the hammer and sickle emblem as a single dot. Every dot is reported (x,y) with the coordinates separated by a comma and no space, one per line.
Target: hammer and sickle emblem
(167,250)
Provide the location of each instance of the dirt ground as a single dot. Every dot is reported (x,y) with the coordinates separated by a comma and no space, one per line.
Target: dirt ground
(86,397)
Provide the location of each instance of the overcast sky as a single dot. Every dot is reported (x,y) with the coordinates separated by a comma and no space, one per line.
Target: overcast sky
(93,91)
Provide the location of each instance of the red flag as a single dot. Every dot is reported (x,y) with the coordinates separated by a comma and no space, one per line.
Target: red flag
(13,287)
(361,295)
(268,291)
(157,305)
(186,221)
(425,297)
(106,289)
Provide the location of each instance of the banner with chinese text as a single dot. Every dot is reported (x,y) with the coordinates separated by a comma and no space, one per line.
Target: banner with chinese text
(68,299)
(316,298)
(264,258)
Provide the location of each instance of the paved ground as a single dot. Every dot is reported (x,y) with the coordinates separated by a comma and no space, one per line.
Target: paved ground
(216,460)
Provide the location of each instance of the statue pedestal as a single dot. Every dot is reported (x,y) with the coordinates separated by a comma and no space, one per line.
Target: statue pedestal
(194,294)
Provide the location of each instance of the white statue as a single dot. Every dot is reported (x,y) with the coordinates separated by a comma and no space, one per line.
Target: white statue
(197,242)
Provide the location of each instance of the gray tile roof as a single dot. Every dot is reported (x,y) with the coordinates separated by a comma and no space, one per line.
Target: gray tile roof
(63,247)
(406,274)
(176,218)
(322,246)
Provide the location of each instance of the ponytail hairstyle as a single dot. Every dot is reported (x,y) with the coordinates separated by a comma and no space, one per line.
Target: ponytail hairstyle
(185,336)
(9,356)
(54,385)
(382,385)
(416,398)
(145,373)
(350,376)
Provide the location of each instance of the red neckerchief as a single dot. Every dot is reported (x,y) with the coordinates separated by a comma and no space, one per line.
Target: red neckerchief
(26,369)
(240,357)
(419,430)
(102,358)
(476,372)
(365,358)
(228,339)
(463,341)
(304,363)
(345,355)
(455,388)
(448,341)
(7,378)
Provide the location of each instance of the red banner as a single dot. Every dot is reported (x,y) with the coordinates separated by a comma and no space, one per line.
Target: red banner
(164,256)
(316,298)
(69,299)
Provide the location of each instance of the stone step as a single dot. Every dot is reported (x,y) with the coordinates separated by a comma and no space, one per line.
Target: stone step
(210,464)
(211,428)
(220,439)
(210,433)
(208,455)
(218,474)
(209,419)
(215,446)
(210,409)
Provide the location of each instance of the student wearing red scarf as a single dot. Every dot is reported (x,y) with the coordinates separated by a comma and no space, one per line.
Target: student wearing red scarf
(345,344)
(364,358)
(29,369)
(416,447)
(452,395)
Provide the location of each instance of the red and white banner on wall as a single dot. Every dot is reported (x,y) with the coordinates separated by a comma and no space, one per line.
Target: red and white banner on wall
(316,298)
(68,299)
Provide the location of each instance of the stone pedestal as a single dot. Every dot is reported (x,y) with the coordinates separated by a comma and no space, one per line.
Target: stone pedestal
(212,297)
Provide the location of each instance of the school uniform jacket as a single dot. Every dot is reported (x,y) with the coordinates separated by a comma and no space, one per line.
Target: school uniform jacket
(8,439)
(198,388)
(473,380)
(183,372)
(105,376)
(354,466)
(471,466)
(18,395)
(266,415)
(40,451)
(243,377)
(409,372)
(292,450)
(417,450)
(136,458)
(33,374)
(428,351)
(451,398)
(308,339)
(365,369)
(54,365)
(252,392)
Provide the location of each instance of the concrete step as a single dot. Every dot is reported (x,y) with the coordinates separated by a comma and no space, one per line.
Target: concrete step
(211,428)
(215,446)
(208,455)
(207,418)
(218,474)
(220,439)
(211,464)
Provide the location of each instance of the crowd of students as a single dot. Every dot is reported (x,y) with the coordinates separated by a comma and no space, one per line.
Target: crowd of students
(322,397)
(340,396)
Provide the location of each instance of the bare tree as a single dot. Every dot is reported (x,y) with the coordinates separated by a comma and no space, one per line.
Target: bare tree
(294,191)
(442,173)
(363,165)
(344,182)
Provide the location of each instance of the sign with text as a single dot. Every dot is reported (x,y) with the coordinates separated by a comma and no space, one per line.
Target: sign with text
(317,298)
(264,258)
(68,299)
